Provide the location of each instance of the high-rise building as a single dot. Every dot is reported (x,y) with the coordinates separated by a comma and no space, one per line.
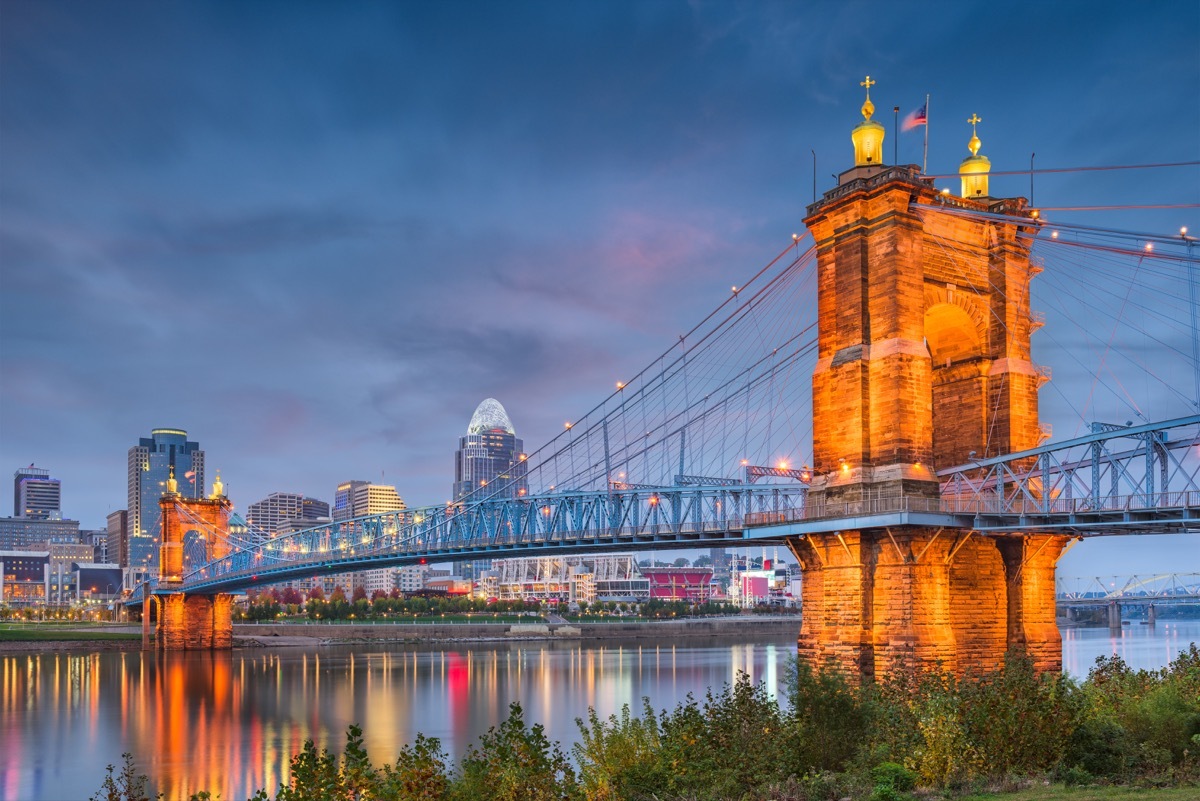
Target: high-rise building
(358,498)
(280,508)
(35,495)
(490,459)
(150,465)
(118,537)
(489,462)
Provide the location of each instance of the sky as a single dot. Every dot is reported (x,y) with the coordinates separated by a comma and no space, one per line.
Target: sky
(317,235)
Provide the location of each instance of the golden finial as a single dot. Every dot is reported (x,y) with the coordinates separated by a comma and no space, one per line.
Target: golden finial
(868,107)
(172,484)
(218,487)
(975,168)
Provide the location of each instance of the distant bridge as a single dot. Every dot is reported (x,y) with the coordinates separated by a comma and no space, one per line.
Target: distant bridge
(1161,588)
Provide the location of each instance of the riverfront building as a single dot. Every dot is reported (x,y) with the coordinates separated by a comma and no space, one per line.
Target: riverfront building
(36,495)
(150,465)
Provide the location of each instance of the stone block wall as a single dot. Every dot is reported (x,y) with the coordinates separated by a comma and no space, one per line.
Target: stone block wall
(879,601)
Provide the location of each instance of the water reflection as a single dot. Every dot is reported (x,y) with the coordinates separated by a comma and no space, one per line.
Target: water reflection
(229,723)
(1139,645)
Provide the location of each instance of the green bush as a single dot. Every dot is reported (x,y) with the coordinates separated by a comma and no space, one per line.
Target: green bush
(829,717)
(515,763)
(895,776)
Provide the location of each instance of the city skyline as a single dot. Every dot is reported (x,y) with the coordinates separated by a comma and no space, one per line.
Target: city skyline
(346,228)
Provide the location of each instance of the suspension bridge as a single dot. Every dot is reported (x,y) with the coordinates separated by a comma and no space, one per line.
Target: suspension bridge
(868,398)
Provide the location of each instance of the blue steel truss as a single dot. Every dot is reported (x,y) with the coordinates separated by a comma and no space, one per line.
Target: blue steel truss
(558,523)
(1116,480)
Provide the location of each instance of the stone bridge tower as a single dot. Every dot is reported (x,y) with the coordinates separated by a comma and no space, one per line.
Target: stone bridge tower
(923,362)
(188,621)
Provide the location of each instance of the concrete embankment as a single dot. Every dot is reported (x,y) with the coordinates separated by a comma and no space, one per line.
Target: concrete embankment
(284,634)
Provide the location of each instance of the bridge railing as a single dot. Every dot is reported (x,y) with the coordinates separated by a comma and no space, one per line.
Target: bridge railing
(609,518)
(1114,467)
(1011,506)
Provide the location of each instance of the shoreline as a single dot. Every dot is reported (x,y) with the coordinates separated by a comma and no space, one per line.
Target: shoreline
(310,635)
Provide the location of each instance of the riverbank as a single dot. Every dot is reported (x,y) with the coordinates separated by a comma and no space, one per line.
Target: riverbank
(298,634)
(310,635)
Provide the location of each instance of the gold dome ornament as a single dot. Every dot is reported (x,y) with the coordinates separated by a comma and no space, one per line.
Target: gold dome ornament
(974,168)
(868,136)
(218,487)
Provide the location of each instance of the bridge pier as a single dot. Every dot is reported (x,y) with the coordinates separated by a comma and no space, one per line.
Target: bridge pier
(1114,616)
(878,601)
(1030,561)
(1152,615)
(195,622)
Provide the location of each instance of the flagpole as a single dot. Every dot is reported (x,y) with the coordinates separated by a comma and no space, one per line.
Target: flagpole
(896,136)
(925,155)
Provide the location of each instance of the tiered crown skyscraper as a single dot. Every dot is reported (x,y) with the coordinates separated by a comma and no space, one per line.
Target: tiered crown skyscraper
(490,460)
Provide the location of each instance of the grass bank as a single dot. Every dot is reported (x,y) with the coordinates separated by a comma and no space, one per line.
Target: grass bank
(38,633)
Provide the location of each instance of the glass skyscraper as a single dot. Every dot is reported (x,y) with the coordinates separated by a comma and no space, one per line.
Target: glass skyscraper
(490,460)
(150,463)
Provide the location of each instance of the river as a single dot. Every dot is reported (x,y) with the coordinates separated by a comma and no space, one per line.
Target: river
(229,722)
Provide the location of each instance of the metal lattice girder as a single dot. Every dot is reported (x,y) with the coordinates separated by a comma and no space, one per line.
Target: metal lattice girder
(1152,466)
(1099,590)
(557,522)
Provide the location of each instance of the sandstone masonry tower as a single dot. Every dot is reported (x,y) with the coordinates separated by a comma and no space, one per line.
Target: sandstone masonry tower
(191,621)
(924,362)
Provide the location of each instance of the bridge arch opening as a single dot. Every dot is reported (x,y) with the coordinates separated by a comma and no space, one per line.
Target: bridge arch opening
(951,334)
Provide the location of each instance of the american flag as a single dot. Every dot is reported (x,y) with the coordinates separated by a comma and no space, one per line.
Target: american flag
(918,117)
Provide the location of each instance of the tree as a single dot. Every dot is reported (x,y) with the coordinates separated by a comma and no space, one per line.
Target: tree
(317,593)
(360,594)
(682,562)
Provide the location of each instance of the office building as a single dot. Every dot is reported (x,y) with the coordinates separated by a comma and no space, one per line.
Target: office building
(281,510)
(490,460)
(97,539)
(117,547)
(36,495)
(489,463)
(150,464)
(23,532)
(360,498)
(62,558)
